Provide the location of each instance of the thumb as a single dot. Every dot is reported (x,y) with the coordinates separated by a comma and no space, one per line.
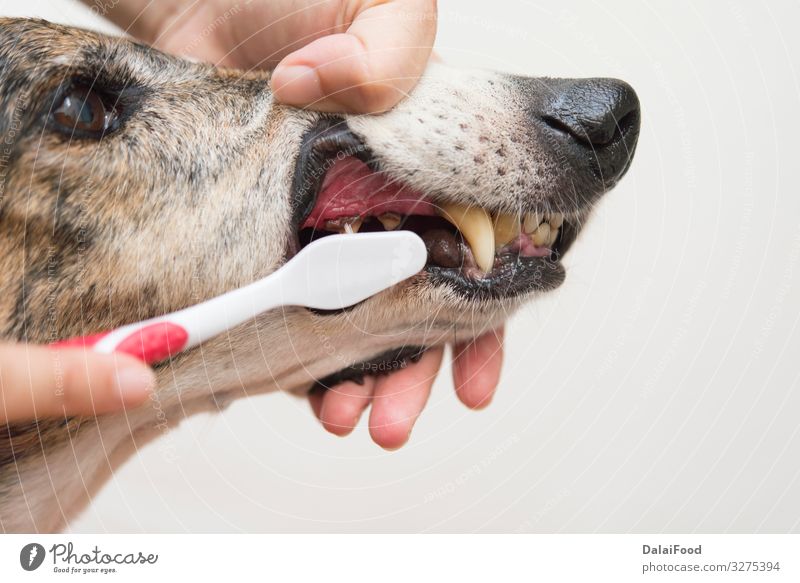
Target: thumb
(366,69)
(39,381)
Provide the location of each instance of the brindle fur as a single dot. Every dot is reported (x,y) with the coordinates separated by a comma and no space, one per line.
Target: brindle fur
(191,198)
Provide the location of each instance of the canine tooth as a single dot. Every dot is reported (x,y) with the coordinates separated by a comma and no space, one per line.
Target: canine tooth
(390,221)
(556,220)
(476,227)
(506,229)
(541,235)
(553,236)
(531,223)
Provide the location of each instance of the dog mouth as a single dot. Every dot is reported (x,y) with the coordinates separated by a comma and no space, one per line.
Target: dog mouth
(479,253)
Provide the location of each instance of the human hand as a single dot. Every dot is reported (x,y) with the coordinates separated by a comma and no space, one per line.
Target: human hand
(398,399)
(359,56)
(38,382)
(336,55)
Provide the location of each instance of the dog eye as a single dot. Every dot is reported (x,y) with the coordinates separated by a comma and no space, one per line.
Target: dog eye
(83,111)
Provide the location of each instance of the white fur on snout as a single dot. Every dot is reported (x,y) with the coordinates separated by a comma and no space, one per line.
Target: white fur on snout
(462,136)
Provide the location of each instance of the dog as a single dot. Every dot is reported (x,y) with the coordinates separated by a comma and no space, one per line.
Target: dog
(133,183)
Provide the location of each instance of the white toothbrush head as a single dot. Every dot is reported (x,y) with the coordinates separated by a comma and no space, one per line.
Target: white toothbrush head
(339,271)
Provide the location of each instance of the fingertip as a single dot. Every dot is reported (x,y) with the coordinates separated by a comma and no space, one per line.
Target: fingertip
(475,392)
(336,429)
(476,369)
(400,399)
(478,401)
(297,85)
(134,382)
(343,405)
(388,433)
(333,421)
(88,383)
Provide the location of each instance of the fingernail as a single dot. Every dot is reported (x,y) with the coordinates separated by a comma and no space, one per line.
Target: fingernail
(297,85)
(134,384)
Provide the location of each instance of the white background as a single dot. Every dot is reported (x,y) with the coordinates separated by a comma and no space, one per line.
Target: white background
(656,391)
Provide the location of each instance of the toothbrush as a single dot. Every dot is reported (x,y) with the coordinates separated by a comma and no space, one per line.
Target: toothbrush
(332,273)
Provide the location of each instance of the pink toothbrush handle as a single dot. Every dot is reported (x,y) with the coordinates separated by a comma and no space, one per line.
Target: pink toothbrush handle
(151,343)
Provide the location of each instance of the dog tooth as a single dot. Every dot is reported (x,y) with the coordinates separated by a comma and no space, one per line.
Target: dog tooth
(475,225)
(353,225)
(506,229)
(531,223)
(334,226)
(390,221)
(553,236)
(556,220)
(541,235)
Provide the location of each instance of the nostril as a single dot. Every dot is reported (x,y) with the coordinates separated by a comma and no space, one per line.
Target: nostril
(629,121)
(557,124)
(595,112)
(588,134)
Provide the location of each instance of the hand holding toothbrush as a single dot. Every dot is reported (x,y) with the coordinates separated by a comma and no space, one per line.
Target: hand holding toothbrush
(37,382)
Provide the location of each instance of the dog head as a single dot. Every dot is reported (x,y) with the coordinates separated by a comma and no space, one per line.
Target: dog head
(135,183)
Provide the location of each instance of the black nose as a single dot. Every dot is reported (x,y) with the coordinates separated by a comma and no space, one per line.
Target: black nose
(598,119)
(593,111)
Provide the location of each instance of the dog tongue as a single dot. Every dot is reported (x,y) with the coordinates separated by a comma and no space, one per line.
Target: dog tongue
(351,189)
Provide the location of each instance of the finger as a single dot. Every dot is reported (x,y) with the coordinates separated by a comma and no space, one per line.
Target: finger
(368,68)
(37,381)
(400,398)
(315,398)
(476,369)
(343,405)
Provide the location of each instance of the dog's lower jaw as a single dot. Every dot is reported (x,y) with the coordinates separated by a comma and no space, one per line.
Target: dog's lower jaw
(54,479)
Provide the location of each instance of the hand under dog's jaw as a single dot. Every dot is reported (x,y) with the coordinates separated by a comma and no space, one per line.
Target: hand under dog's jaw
(479,253)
